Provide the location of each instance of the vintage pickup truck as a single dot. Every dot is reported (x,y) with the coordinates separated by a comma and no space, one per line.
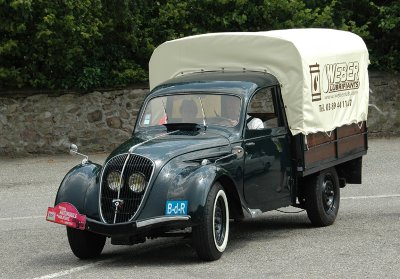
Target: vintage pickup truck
(236,124)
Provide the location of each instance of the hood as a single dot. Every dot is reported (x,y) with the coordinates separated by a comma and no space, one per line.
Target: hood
(161,146)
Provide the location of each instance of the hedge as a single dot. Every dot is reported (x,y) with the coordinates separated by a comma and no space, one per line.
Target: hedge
(88,44)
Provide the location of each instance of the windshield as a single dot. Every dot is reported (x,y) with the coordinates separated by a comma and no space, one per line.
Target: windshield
(223,110)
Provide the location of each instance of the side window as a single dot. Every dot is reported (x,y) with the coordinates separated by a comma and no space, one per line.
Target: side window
(261,113)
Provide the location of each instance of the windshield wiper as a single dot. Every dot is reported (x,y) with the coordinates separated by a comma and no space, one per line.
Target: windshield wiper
(165,112)
(204,115)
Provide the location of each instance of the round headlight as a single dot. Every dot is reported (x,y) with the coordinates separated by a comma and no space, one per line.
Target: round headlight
(113,180)
(137,182)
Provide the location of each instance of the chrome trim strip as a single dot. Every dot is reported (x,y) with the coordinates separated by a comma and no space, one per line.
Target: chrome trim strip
(146,141)
(223,157)
(120,185)
(163,219)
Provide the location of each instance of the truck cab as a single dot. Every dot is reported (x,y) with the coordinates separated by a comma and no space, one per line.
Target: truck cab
(231,102)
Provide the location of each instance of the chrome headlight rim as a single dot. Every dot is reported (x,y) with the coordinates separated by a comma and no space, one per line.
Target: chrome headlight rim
(115,184)
(137,182)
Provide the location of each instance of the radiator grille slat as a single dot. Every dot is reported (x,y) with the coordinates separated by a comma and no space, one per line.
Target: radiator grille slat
(131,200)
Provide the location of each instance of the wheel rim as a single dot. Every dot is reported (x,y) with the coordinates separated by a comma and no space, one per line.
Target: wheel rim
(328,194)
(221,221)
(219,224)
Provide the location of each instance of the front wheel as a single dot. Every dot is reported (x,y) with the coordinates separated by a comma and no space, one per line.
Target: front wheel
(85,244)
(210,237)
(323,198)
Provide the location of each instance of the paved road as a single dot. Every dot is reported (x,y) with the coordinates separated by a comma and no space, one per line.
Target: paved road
(364,241)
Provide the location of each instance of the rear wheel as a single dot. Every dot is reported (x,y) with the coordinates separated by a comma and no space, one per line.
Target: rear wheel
(210,237)
(323,198)
(85,244)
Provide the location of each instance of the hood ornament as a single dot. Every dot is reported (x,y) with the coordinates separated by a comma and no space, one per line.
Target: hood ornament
(117,204)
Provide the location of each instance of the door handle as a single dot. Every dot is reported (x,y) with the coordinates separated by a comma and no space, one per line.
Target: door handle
(250,143)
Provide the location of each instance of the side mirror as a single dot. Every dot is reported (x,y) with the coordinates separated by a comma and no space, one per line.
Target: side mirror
(73,149)
(238,152)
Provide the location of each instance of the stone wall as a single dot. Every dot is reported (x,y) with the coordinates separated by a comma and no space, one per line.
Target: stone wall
(99,121)
(45,124)
(384,110)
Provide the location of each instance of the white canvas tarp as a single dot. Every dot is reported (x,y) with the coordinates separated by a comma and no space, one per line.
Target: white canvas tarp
(323,72)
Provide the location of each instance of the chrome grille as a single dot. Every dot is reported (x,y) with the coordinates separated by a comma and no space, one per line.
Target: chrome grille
(131,200)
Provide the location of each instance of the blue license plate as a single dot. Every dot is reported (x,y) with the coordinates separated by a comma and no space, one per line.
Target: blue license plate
(176,208)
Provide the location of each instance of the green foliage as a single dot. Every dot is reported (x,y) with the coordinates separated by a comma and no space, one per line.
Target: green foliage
(378,23)
(386,45)
(81,45)
(69,44)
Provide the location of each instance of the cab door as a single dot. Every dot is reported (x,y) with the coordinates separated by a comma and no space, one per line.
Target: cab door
(267,165)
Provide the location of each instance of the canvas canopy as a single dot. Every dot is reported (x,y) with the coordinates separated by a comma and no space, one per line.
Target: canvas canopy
(323,72)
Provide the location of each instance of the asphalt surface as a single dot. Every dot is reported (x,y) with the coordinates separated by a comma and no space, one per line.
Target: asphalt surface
(364,242)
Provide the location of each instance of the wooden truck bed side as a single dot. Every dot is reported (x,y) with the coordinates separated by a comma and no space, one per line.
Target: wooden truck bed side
(345,143)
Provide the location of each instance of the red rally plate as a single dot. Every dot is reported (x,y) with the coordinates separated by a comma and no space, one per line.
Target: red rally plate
(66,214)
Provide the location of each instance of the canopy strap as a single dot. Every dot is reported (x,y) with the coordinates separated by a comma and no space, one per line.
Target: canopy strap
(329,134)
(306,142)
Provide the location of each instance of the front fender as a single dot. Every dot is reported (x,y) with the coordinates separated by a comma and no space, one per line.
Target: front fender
(176,181)
(80,187)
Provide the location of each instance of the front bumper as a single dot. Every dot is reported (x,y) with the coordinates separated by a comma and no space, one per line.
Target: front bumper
(164,223)
(66,214)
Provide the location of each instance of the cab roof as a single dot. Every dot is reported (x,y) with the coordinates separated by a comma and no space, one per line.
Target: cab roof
(242,83)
